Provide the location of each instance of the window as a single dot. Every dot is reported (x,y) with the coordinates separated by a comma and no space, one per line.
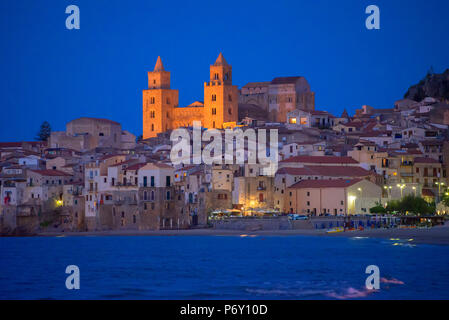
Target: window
(152,181)
(214,97)
(230,97)
(152,100)
(152,127)
(230,111)
(214,111)
(168,100)
(167,181)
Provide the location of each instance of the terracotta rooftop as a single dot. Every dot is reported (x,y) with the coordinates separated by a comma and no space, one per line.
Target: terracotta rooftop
(340,183)
(295,171)
(339,171)
(321,159)
(51,173)
(425,160)
(285,80)
(328,171)
(136,166)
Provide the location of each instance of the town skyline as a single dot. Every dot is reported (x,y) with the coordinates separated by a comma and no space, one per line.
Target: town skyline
(104,82)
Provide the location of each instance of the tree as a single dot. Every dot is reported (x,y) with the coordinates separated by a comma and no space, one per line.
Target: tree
(44,132)
(445,200)
(410,203)
(378,209)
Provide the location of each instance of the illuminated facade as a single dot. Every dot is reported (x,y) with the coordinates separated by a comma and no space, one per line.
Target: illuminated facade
(161,111)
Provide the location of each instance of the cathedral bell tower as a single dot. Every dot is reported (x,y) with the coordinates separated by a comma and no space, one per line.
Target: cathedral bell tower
(158,102)
(220,96)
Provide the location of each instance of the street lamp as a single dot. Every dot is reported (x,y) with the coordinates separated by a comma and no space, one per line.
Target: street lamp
(388,188)
(352,199)
(401,186)
(360,190)
(439,184)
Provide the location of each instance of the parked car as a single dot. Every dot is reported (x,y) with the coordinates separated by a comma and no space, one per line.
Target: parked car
(295,216)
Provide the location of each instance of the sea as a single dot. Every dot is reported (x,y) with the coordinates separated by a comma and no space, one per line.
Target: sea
(239,267)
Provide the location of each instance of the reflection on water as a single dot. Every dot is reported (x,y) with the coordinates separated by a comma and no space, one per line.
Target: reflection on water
(241,267)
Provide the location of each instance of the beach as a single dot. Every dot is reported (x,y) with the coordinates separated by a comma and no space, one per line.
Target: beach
(436,235)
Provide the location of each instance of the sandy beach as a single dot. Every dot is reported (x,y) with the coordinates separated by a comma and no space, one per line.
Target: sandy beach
(436,235)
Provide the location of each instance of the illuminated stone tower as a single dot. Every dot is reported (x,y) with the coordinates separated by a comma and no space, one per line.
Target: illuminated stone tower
(158,102)
(220,96)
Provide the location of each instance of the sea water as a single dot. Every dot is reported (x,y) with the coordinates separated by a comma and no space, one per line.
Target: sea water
(221,267)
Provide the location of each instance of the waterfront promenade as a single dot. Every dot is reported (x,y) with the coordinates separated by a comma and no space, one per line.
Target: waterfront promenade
(436,235)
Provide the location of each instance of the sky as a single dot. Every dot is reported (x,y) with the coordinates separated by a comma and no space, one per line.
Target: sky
(50,73)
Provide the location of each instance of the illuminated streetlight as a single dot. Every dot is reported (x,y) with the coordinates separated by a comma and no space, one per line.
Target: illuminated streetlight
(388,188)
(401,186)
(352,199)
(439,184)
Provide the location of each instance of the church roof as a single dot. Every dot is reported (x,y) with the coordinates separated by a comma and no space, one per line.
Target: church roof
(221,61)
(159,66)
(285,80)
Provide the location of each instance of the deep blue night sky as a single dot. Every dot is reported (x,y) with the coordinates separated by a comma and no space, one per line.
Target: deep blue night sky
(54,74)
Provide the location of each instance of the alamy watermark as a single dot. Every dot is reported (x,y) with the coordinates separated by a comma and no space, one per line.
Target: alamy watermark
(72,282)
(73,20)
(250,147)
(373,280)
(373,20)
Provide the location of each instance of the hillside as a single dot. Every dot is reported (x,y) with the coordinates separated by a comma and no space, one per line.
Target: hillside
(433,85)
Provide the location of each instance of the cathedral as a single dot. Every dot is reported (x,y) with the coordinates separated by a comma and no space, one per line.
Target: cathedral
(161,111)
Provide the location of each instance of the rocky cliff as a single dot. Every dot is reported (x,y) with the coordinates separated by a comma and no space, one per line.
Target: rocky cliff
(433,85)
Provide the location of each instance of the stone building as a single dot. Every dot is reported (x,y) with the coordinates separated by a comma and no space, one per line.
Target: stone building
(85,134)
(279,96)
(334,197)
(161,111)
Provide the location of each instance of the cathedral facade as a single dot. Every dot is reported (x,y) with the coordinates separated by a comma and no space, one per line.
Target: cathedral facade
(161,111)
